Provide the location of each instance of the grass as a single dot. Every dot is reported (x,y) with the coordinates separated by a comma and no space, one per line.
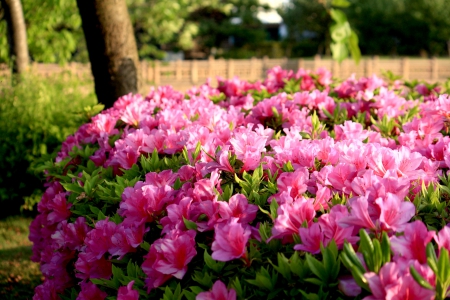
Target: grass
(18,274)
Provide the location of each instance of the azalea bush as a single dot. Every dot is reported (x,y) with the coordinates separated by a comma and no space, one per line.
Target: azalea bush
(300,186)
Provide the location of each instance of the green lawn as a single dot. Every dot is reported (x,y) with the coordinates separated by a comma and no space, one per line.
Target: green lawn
(18,274)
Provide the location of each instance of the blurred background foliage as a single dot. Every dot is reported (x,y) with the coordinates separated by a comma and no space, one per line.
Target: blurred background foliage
(35,118)
(231,28)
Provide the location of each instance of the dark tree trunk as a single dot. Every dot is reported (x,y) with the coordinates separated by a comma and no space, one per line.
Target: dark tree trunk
(112,48)
(17,34)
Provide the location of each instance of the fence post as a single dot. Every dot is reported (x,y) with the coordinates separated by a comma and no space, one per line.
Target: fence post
(178,68)
(253,75)
(194,72)
(375,64)
(316,62)
(405,67)
(336,69)
(265,64)
(434,69)
(144,70)
(230,68)
(300,63)
(157,72)
(368,68)
(211,63)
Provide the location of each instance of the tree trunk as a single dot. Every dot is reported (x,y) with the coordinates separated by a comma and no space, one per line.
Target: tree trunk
(17,34)
(112,48)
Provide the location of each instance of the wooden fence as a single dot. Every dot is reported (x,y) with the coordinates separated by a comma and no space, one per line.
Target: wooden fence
(184,74)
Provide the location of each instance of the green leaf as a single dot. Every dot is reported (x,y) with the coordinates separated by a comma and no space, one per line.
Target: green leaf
(339,51)
(353,46)
(189,224)
(338,16)
(341,32)
(211,263)
(340,3)
(420,280)
(316,267)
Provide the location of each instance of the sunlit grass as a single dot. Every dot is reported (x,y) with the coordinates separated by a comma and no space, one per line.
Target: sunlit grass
(18,274)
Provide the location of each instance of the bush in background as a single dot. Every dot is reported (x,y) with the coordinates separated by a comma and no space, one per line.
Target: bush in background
(35,117)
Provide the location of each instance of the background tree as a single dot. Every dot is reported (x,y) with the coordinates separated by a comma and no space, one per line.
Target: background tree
(112,48)
(53,30)
(17,34)
(384,27)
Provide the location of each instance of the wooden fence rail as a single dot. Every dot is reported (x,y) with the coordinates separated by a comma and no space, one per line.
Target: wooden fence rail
(184,74)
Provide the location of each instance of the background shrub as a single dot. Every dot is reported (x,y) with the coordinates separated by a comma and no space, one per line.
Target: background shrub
(35,117)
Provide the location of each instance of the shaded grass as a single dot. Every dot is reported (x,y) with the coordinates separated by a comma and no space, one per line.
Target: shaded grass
(18,274)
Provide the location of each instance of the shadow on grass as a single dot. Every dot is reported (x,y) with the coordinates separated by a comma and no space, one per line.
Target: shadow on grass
(18,274)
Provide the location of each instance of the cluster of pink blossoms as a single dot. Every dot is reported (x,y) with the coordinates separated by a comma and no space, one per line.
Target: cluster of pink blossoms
(379,175)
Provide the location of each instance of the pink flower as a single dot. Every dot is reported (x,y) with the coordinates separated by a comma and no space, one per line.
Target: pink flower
(98,240)
(127,292)
(238,207)
(443,238)
(219,292)
(169,256)
(341,177)
(412,244)
(71,235)
(290,218)
(331,228)
(359,215)
(293,183)
(311,238)
(395,282)
(60,208)
(230,240)
(349,287)
(46,291)
(248,146)
(119,242)
(100,268)
(395,213)
(90,291)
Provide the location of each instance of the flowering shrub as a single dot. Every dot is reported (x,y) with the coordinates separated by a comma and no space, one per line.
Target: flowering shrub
(299,186)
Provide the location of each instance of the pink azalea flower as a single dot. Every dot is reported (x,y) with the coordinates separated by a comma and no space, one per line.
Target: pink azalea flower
(238,207)
(380,159)
(175,215)
(248,146)
(293,183)
(98,240)
(60,208)
(127,292)
(205,214)
(311,238)
(100,268)
(230,240)
(359,215)
(349,287)
(341,177)
(443,238)
(90,291)
(219,292)
(394,283)
(119,243)
(46,291)
(170,256)
(331,228)
(412,244)
(55,268)
(291,216)
(395,213)
(71,235)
